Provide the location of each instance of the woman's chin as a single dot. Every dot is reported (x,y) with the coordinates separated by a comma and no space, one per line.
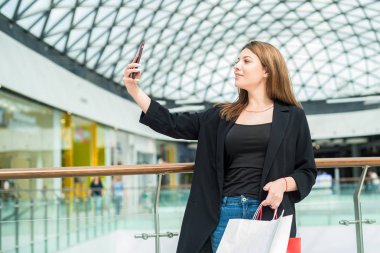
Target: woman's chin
(237,85)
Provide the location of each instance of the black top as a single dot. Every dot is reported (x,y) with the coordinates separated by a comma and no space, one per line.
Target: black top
(246,147)
(96,188)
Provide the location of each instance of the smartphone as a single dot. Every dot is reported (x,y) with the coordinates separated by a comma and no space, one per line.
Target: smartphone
(137,58)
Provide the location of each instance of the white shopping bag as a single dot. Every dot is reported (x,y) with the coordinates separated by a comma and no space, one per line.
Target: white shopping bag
(256,236)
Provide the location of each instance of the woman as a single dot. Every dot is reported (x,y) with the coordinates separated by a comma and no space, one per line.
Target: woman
(255,150)
(96,192)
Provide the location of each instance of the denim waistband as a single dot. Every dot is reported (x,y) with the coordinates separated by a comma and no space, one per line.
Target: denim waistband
(239,199)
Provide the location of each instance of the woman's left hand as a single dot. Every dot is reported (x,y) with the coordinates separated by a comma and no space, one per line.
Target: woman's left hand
(275,191)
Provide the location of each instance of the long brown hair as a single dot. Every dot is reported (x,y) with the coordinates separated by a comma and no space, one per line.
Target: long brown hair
(278,85)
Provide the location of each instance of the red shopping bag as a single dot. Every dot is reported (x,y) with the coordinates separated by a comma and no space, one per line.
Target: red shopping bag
(294,245)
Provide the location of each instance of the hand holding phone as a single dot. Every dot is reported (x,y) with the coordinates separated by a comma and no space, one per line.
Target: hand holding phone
(137,58)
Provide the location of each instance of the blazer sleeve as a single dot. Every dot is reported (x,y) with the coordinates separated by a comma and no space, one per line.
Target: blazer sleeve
(305,171)
(176,125)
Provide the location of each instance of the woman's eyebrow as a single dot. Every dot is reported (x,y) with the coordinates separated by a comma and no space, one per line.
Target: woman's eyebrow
(246,56)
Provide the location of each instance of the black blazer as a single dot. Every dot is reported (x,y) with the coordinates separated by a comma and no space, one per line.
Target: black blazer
(289,153)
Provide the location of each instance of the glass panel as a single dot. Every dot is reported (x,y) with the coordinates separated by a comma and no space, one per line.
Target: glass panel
(58,218)
(331,200)
(27,132)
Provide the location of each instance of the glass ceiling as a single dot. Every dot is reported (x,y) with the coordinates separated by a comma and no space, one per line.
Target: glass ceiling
(332,47)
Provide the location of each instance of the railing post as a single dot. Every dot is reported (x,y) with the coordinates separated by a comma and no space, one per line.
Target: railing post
(95,223)
(46,222)
(124,212)
(114,217)
(157,233)
(337,181)
(58,216)
(77,214)
(156,214)
(86,215)
(102,213)
(16,225)
(67,207)
(109,215)
(358,212)
(31,225)
(1,220)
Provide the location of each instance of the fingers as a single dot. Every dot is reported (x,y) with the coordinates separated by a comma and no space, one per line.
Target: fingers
(133,65)
(138,75)
(273,199)
(267,186)
(132,68)
(127,79)
(271,204)
(128,72)
(265,202)
(275,191)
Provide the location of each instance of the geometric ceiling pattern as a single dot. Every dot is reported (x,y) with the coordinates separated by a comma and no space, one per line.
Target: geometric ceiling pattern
(332,48)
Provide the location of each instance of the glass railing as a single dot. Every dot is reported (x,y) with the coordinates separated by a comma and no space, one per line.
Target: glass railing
(330,205)
(67,219)
(44,221)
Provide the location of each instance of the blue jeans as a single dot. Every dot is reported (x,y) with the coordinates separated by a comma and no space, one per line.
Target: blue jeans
(239,207)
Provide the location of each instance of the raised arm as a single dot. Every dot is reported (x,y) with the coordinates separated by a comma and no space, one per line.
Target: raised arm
(176,125)
(134,90)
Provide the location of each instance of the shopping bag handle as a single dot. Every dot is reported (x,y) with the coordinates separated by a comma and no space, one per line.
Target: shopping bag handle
(259,213)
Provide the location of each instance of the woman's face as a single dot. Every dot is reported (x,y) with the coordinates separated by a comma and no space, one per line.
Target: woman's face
(249,73)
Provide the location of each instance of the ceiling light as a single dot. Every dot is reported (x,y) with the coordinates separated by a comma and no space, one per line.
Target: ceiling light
(188,108)
(367,99)
(358,140)
(189,101)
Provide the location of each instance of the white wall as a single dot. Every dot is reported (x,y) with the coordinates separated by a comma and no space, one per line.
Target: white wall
(38,139)
(348,124)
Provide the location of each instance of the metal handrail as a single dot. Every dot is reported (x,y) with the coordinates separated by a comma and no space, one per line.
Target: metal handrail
(82,171)
(28,173)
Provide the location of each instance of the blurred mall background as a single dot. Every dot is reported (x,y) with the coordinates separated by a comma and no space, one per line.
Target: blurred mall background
(63,104)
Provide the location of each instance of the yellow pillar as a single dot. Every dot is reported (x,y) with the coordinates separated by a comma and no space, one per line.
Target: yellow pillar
(170,156)
(67,153)
(94,147)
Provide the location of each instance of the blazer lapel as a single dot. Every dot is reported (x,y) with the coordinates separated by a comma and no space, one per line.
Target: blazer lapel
(223,128)
(279,123)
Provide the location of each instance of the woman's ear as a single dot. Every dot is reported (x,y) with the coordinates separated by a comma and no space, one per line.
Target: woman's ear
(266,72)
